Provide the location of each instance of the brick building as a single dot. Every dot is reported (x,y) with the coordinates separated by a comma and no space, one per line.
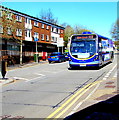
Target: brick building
(19,29)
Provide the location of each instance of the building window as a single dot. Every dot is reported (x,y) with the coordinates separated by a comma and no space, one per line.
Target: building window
(54,30)
(9,15)
(35,23)
(1,29)
(25,33)
(19,18)
(36,35)
(58,30)
(19,32)
(52,39)
(47,27)
(9,31)
(28,21)
(55,40)
(61,31)
(42,26)
(42,36)
(28,33)
(25,20)
(47,37)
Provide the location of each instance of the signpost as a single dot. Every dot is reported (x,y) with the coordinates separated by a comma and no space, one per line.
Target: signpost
(36,54)
(60,43)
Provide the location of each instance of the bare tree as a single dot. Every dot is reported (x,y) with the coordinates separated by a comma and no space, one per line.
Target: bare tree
(78,29)
(115,31)
(68,32)
(47,15)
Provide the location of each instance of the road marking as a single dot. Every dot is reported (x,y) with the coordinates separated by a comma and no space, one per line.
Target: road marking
(46,71)
(57,63)
(41,75)
(108,74)
(74,110)
(76,96)
(19,78)
(115,75)
(75,100)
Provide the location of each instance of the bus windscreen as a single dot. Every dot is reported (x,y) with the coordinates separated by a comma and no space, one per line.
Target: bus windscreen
(83,46)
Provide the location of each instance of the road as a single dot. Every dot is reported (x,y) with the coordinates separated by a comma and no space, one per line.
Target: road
(38,91)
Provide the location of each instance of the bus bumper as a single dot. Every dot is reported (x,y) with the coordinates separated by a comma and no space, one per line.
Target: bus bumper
(89,64)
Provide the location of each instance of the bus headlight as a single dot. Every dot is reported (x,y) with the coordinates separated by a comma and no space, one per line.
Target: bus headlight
(96,58)
(70,59)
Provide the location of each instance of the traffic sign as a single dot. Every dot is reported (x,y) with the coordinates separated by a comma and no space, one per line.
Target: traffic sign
(35,39)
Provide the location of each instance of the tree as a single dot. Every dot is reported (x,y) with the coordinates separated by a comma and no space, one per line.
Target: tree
(10,26)
(48,16)
(67,33)
(77,29)
(64,24)
(115,31)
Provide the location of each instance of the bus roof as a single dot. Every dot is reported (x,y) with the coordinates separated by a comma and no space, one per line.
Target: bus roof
(87,32)
(100,36)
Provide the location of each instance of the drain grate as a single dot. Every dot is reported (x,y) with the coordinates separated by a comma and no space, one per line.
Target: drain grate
(8,117)
(110,86)
(109,82)
(103,97)
(116,92)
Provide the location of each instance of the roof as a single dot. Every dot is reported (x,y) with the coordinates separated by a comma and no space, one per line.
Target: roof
(33,18)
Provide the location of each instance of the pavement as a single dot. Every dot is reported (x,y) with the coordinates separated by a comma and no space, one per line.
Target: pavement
(18,66)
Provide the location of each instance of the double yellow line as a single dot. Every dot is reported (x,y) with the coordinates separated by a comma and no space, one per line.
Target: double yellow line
(62,109)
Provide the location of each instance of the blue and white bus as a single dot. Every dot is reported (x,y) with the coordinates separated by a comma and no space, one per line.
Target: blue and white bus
(88,49)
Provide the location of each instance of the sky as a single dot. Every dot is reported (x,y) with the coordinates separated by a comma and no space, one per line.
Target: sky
(95,16)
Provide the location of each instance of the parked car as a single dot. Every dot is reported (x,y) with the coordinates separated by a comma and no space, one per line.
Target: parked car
(56,57)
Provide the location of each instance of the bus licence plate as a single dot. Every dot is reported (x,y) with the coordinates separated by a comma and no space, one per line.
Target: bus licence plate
(83,65)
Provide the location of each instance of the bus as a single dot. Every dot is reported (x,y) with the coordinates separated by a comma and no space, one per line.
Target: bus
(90,49)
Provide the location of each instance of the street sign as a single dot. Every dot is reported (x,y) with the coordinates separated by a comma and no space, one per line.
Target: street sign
(60,42)
(35,39)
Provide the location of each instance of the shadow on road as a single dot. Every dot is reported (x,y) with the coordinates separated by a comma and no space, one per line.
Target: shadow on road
(105,110)
(89,68)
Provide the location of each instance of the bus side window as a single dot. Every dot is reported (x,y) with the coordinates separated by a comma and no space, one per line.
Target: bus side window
(100,47)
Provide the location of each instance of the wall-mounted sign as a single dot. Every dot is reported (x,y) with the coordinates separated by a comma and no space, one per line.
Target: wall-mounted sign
(60,42)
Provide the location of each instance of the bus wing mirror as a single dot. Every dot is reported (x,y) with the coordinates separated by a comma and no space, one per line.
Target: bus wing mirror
(100,45)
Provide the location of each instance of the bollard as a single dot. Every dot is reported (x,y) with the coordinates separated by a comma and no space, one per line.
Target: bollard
(3,68)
